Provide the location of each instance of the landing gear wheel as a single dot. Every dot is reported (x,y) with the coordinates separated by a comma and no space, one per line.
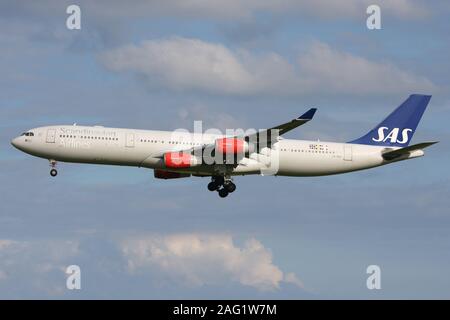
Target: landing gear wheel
(230,186)
(218,180)
(223,193)
(213,186)
(53,172)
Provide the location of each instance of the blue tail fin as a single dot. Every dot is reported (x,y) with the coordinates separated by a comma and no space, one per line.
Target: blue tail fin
(398,128)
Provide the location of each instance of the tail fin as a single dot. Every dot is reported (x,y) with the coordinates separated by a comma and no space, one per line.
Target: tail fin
(398,128)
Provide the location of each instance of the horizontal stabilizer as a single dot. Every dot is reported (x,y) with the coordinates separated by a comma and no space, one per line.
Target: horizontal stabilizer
(393,154)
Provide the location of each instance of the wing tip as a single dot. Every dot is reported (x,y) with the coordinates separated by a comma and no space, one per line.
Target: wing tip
(308,115)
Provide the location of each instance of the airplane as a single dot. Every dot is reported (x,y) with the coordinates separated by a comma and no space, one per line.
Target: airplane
(221,157)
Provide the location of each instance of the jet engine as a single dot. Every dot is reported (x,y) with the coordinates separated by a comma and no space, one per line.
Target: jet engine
(231,146)
(180,160)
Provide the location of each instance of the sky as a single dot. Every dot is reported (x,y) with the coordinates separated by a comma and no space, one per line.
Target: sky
(231,64)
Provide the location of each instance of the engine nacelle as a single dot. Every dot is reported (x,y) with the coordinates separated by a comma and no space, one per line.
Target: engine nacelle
(231,146)
(180,160)
(163,174)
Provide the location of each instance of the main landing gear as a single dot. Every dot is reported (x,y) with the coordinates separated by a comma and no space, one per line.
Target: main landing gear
(53,171)
(222,185)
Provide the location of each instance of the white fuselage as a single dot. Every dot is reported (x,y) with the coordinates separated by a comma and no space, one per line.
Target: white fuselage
(130,147)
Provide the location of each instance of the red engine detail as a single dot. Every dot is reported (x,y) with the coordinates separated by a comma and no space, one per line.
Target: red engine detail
(179,160)
(231,146)
(163,174)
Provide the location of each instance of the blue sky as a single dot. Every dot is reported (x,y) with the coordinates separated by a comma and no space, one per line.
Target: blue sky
(162,65)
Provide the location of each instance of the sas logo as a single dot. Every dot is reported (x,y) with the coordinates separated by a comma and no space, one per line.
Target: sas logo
(392,136)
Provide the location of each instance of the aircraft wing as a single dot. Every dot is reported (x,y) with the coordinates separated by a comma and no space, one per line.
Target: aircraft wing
(393,154)
(294,123)
(268,136)
(263,137)
(193,150)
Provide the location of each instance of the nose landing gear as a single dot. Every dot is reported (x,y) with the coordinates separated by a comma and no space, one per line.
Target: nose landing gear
(53,171)
(223,185)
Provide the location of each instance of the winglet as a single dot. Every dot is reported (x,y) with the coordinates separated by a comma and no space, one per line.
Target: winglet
(308,115)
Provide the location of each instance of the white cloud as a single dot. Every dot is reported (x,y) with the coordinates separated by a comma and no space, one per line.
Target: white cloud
(192,259)
(292,278)
(200,259)
(182,64)
(210,118)
(190,64)
(323,68)
(5,243)
(33,259)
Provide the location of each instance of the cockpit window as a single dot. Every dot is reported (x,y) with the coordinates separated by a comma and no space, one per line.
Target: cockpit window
(28,134)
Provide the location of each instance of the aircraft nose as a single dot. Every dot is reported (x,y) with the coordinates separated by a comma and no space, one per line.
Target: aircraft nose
(15,142)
